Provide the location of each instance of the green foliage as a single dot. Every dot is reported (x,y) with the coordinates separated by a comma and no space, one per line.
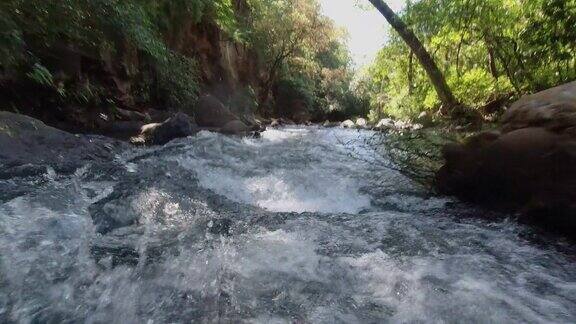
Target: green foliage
(136,41)
(303,51)
(300,88)
(41,75)
(487,49)
(32,33)
(244,102)
(475,86)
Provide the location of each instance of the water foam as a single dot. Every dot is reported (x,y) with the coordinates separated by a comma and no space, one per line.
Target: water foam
(293,170)
(192,255)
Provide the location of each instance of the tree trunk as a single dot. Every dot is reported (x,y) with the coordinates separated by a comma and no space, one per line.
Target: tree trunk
(451,105)
(492,62)
(411,73)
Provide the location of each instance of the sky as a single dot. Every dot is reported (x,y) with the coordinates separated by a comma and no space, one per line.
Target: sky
(367,29)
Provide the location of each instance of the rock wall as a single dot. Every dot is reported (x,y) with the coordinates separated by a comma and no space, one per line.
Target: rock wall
(225,65)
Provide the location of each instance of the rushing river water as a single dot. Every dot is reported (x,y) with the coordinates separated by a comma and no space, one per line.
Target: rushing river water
(303,225)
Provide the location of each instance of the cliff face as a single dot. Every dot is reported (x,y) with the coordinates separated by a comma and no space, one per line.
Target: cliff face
(225,65)
(88,88)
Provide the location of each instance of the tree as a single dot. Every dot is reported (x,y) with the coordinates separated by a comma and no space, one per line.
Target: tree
(449,101)
(283,30)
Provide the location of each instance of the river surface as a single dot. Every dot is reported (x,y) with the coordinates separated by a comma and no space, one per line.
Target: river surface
(304,225)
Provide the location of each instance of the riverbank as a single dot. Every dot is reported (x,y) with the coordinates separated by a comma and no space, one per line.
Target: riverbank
(527,165)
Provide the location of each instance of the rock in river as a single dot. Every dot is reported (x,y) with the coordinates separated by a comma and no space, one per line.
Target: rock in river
(210,112)
(529,166)
(180,125)
(25,140)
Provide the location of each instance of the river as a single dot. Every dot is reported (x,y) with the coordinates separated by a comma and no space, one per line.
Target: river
(303,225)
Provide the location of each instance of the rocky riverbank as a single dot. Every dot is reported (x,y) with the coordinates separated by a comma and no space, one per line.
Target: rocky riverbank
(527,166)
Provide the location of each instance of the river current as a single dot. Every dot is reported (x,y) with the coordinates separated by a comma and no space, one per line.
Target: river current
(303,225)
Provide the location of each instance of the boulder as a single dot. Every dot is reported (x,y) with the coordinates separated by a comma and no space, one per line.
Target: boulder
(123,130)
(553,109)
(28,141)
(158,116)
(131,115)
(528,166)
(281,122)
(180,125)
(425,119)
(210,112)
(275,123)
(301,117)
(348,124)
(329,124)
(361,122)
(385,123)
(235,127)
(401,125)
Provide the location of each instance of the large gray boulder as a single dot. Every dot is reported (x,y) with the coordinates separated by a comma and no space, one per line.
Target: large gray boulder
(28,141)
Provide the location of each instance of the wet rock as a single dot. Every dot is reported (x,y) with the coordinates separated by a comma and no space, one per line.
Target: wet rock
(529,166)
(330,124)
(275,123)
(348,124)
(301,117)
(385,123)
(401,125)
(180,125)
(210,112)
(220,226)
(130,115)
(361,122)
(281,122)
(235,127)
(123,130)
(25,140)
(157,116)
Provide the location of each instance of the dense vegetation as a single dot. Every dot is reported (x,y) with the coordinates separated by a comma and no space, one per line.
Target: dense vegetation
(306,55)
(83,52)
(488,50)
(133,53)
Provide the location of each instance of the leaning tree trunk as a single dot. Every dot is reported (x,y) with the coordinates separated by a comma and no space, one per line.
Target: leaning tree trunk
(451,105)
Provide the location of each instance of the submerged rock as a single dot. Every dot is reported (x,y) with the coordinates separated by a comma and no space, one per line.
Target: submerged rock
(529,166)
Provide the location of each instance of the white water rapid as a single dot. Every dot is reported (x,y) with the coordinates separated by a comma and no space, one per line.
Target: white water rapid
(303,225)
